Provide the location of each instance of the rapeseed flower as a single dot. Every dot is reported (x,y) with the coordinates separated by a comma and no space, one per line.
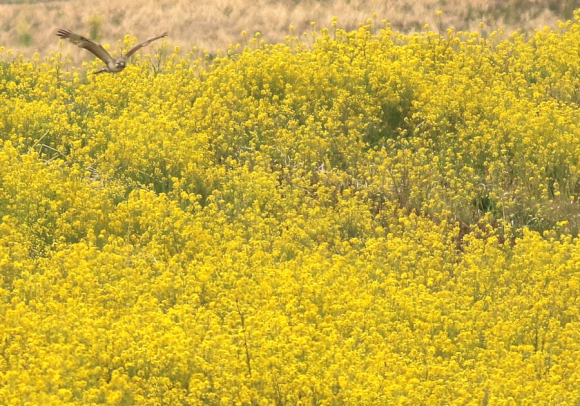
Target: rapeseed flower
(370,218)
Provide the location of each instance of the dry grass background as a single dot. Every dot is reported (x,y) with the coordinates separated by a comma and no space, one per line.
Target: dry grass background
(30,27)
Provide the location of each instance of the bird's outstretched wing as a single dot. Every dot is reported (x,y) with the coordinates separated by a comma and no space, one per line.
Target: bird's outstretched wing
(141,45)
(87,44)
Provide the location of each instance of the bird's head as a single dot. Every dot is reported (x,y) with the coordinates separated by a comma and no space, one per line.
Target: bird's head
(120,64)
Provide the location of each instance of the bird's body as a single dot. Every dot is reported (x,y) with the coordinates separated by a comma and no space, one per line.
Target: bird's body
(113,65)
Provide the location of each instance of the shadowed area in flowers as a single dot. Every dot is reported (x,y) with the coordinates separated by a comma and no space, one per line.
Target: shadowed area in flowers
(366,217)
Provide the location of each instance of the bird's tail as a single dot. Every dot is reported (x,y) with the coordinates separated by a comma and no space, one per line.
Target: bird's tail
(99,71)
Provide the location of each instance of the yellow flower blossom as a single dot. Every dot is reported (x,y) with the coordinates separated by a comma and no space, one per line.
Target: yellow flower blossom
(366,218)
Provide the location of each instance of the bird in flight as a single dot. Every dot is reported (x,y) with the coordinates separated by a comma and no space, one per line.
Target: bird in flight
(113,65)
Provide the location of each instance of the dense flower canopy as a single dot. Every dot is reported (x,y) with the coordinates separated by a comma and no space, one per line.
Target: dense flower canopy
(360,218)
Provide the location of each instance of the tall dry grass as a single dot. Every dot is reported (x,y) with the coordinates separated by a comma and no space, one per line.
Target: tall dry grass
(29,28)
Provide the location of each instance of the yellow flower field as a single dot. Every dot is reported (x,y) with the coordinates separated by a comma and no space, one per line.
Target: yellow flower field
(348,218)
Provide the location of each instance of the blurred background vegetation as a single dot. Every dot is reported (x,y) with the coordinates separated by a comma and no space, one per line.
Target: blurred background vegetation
(29,26)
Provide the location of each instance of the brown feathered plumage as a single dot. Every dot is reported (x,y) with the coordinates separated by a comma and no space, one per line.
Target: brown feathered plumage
(113,65)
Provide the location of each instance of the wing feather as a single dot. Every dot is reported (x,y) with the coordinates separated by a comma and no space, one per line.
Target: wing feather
(86,43)
(141,45)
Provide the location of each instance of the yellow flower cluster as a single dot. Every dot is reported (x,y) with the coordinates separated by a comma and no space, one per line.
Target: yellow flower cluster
(364,219)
